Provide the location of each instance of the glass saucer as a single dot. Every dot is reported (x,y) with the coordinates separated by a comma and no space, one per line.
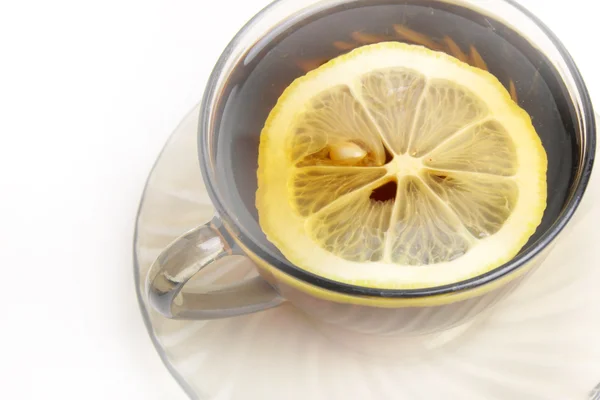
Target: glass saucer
(541,343)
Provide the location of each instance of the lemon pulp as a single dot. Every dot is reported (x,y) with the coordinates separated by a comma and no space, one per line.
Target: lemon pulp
(463,169)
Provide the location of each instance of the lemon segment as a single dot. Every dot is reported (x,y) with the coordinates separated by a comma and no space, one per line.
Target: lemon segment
(459,192)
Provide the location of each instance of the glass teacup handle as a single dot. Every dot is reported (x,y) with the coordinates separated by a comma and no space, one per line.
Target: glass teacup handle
(186,256)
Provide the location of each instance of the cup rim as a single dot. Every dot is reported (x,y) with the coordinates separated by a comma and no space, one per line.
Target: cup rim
(587,161)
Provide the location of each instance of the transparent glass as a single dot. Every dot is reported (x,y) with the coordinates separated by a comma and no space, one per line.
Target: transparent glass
(258,64)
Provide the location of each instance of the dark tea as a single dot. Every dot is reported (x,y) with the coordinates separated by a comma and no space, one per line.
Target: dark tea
(299,46)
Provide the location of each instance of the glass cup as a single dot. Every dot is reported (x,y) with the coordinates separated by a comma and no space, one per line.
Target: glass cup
(288,38)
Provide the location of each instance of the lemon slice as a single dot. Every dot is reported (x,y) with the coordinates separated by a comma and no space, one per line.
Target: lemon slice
(395,166)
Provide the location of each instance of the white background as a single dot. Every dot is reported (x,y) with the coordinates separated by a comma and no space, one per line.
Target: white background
(89,92)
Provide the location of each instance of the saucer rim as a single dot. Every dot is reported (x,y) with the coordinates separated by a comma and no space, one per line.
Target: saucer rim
(195,110)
